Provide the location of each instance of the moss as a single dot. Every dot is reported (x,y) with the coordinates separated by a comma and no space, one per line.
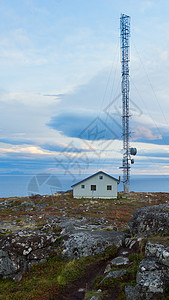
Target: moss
(48,280)
(110,252)
(122,296)
(38,228)
(126,230)
(162,238)
(5,233)
(18,220)
(109,283)
(166,296)
(123,284)
(136,257)
(98,280)
(57,229)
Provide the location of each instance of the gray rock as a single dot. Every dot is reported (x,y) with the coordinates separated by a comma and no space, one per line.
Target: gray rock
(20,251)
(7,204)
(130,243)
(94,298)
(119,261)
(152,275)
(7,267)
(108,268)
(159,251)
(151,279)
(125,253)
(151,220)
(28,205)
(131,292)
(83,243)
(115,274)
(84,237)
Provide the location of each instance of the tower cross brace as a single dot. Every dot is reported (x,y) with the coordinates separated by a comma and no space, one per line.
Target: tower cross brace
(125,35)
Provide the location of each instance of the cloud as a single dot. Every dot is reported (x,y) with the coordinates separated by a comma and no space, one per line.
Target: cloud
(141,132)
(23,150)
(15,141)
(87,126)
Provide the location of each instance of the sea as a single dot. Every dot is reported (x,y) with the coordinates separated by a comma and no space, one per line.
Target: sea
(47,184)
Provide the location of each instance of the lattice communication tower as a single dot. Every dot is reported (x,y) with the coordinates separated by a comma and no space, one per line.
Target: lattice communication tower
(127,151)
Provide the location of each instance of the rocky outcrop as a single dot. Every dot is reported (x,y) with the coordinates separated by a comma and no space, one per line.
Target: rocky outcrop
(152,275)
(153,272)
(79,238)
(20,251)
(159,251)
(151,220)
(131,292)
(85,237)
(83,243)
(151,279)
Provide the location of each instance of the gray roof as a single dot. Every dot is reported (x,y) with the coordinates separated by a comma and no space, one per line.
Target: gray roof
(100,172)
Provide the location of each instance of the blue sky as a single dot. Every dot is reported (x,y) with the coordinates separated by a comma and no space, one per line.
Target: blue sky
(60,79)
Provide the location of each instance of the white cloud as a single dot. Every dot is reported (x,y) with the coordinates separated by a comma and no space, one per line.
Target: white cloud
(141,132)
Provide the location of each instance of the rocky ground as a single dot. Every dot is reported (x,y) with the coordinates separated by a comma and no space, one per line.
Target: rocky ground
(57,247)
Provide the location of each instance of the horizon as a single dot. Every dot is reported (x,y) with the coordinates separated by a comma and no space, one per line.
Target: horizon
(48,184)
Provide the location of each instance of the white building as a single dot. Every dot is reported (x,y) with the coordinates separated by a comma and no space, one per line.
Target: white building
(98,185)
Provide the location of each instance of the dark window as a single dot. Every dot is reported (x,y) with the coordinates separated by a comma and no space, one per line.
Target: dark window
(93,187)
(109,187)
(100,177)
(82,186)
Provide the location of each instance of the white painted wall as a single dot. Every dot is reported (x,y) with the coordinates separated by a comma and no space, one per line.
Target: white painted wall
(101,188)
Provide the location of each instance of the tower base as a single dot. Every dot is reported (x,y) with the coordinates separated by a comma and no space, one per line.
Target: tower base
(126,188)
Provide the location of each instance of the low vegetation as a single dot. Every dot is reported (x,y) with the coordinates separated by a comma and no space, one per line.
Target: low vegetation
(116,211)
(56,277)
(51,279)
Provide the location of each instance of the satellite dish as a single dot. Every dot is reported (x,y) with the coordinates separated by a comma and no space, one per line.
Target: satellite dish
(132,161)
(133,151)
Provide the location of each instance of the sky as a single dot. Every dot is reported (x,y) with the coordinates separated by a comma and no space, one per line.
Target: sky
(60,87)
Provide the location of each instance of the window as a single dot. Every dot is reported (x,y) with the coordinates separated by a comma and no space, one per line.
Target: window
(100,177)
(93,187)
(109,187)
(82,186)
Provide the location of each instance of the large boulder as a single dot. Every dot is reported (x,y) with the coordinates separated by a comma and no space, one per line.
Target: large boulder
(151,220)
(86,237)
(151,279)
(152,275)
(81,243)
(79,238)
(160,251)
(21,250)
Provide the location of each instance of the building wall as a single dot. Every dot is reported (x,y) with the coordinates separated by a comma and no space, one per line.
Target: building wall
(101,188)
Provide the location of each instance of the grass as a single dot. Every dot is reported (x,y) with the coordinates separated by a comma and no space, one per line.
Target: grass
(38,283)
(116,211)
(52,278)
(49,278)
(117,285)
(166,292)
(161,239)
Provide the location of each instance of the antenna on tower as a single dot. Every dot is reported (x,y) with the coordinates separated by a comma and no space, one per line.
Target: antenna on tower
(127,151)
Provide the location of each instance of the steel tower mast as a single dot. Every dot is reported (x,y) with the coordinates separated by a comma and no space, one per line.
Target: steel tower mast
(125,34)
